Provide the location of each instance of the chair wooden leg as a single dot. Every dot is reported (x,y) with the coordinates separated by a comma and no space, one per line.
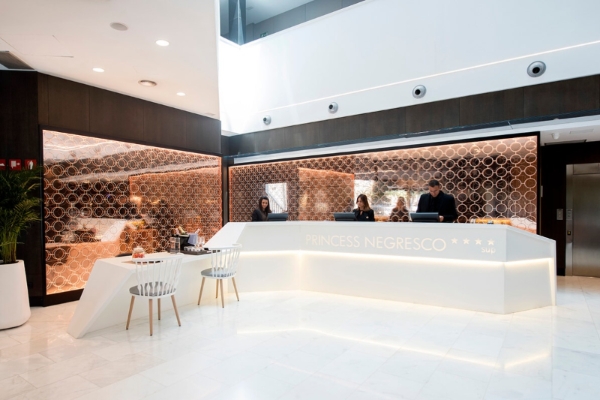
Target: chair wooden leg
(201,287)
(175,308)
(130,310)
(235,287)
(222,297)
(217,296)
(159,309)
(150,309)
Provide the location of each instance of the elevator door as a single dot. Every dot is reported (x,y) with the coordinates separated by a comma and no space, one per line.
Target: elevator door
(586,223)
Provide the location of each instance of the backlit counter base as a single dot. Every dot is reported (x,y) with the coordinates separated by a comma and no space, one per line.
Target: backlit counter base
(491,268)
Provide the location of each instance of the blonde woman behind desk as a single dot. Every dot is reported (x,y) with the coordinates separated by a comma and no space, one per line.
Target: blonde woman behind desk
(400,212)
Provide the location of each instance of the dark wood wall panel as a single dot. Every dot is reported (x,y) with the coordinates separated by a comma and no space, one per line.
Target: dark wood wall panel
(19,138)
(433,116)
(225,144)
(202,133)
(491,107)
(43,109)
(88,110)
(115,115)
(388,122)
(18,115)
(163,125)
(354,127)
(68,104)
(562,97)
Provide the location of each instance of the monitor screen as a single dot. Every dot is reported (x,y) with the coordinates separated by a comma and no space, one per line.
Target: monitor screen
(344,216)
(424,217)
(277,217)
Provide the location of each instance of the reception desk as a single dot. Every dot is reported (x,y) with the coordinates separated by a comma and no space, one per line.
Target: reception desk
(491,268)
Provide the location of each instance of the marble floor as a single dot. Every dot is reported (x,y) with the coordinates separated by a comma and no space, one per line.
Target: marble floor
(306,345)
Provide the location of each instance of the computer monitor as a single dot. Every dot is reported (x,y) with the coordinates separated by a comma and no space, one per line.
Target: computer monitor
(344,216)
(276,217)
(424,217)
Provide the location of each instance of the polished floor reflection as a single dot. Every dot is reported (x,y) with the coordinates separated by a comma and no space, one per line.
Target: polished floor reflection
(306,345)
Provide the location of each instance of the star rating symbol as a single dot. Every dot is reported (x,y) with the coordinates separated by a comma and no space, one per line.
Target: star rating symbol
(454,241)
(491,242)
(478,241)
(465,241)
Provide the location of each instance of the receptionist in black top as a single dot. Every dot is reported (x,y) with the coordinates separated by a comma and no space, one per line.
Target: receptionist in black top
(438,201)
(363,212)
(263,210)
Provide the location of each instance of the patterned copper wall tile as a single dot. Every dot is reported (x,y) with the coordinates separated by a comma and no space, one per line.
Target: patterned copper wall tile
(104,197)
(493,179)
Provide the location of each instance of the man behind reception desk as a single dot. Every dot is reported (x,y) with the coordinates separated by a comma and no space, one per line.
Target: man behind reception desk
(438,201)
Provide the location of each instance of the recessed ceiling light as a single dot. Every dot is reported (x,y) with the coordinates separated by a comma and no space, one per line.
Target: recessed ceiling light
(162,43)
(180,94)
(119,26)
(147,83)
(97,69)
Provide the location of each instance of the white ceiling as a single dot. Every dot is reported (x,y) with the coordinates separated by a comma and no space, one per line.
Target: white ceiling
(67,38)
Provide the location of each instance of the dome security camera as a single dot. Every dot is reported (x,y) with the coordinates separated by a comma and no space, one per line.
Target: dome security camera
(333,107)
(419,91)
(555,135)
(267,119)
(536,69)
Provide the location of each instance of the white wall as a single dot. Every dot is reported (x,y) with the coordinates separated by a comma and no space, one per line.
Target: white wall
(368,57)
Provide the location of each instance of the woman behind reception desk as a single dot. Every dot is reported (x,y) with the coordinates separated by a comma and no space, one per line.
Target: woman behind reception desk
(400,212)
(364,211)
(262,211)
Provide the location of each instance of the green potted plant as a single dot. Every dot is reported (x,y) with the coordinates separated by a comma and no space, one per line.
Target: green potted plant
(19,207)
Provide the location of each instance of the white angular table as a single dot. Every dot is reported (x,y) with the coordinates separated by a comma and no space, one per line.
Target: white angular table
(105,299)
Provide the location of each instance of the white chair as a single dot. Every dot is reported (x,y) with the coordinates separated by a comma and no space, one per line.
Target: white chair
(157,278)
(224,262)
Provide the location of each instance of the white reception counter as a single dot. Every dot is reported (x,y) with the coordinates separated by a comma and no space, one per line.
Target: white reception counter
(491,268)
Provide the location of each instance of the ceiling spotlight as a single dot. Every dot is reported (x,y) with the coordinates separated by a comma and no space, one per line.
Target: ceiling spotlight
(119,26)
(162,43)
(98,69)
(180,94)
(555,135)
(147,83)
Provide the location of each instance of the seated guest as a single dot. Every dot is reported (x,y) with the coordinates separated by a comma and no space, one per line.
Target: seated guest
(400,212)
(263,210)
(439,202)
(363,212)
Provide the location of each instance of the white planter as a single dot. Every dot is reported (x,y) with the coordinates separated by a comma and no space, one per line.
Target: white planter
(14,297)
